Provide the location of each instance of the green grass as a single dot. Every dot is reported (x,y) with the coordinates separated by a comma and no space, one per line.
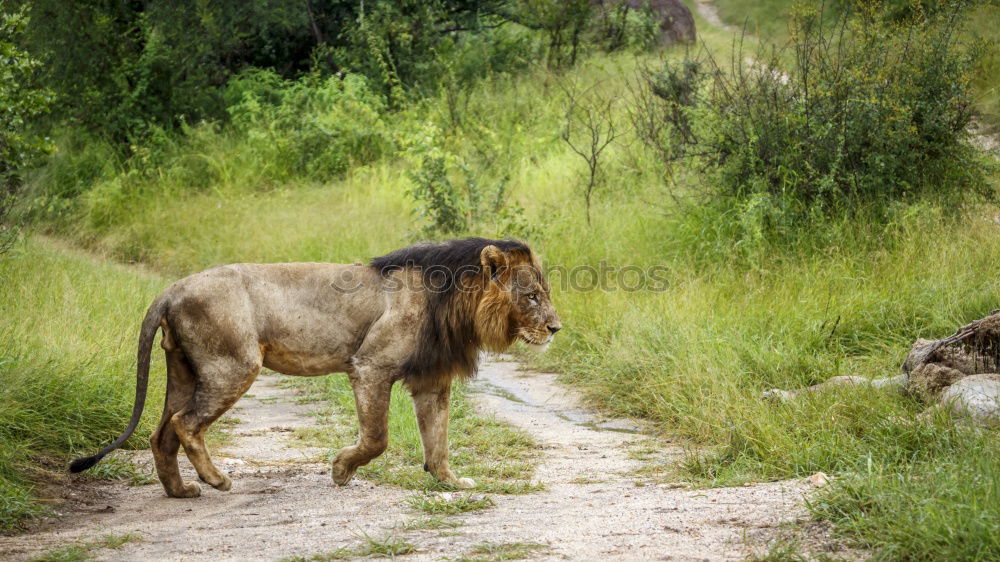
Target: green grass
(116,468)
(85,550)
(383,547)
(430,523)
(67,375)
(493,551)
(436,504)
(942,506)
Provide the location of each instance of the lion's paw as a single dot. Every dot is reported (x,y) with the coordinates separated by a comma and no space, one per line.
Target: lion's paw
(225,485)
(465,483)
(341,477)
(189,490)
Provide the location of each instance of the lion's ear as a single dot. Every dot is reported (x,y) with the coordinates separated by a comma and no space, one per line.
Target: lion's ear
(493,260)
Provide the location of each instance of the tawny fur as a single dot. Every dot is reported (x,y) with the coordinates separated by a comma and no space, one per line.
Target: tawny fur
(222,325)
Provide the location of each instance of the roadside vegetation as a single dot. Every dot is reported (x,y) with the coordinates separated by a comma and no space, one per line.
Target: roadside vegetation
(66,363)
(797,241)
(770,19)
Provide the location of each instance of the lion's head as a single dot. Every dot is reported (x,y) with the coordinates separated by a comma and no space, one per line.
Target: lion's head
(480,294)
(515,302)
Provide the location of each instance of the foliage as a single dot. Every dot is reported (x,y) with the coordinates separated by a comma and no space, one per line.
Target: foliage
(866,115)
(450,199)
(318,128)
(121,69)
(21,100)
(769,20)
(617,25)
(565,23)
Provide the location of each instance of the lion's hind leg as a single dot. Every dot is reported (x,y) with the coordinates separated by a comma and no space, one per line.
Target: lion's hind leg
(164,441)
(215,394)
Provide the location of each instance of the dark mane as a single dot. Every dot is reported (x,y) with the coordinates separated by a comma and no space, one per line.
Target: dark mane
(447,344)
(451,255)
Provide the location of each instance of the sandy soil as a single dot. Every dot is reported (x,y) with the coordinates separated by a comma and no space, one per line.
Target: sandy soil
(594,504)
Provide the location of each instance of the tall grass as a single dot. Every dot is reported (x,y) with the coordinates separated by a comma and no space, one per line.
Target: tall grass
(67,370)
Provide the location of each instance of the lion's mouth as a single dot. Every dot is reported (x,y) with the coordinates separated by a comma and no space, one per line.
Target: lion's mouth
(533,342)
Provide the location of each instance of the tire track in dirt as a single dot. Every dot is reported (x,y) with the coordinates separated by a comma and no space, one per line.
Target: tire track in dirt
(595,503)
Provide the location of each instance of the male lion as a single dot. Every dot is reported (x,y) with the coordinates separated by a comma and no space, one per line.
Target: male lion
(420,314)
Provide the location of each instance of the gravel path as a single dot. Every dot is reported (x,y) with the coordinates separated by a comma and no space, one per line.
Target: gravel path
(596,504)
(710,13)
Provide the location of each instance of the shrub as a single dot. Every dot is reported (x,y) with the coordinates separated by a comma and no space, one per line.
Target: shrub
(565,25)
(867,113)
(312,127)
(451,198)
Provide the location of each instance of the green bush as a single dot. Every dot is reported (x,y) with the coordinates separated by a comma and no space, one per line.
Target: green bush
(866,113)
(451,198)
(313,127)
(619,26)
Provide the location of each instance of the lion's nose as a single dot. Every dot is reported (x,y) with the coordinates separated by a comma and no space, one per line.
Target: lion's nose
(554,329)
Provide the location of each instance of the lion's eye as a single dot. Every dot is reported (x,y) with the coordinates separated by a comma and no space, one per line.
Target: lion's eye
(533,298)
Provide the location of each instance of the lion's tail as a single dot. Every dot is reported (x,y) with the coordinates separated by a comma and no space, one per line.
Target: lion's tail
(149,326)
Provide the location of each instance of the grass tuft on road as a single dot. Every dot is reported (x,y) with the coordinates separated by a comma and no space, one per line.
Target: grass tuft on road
(439,504)
(374,547)
(86,549)
(498,457)
(499,551)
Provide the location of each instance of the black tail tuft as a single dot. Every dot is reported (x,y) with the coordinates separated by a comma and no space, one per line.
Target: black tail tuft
(79,465)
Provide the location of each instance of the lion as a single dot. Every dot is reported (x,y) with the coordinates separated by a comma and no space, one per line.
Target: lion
(420,315)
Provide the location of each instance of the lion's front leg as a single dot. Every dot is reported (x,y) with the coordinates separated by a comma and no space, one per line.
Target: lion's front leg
(431,405)
(371,395)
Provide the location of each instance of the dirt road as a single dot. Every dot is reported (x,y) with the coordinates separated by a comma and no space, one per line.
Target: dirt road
(596,502)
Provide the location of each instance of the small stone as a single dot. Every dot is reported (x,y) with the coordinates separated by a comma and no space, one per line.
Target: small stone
(818,480)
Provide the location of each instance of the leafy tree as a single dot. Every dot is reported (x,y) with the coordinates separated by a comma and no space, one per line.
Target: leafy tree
(564,23)
(121,68)
(20,101)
